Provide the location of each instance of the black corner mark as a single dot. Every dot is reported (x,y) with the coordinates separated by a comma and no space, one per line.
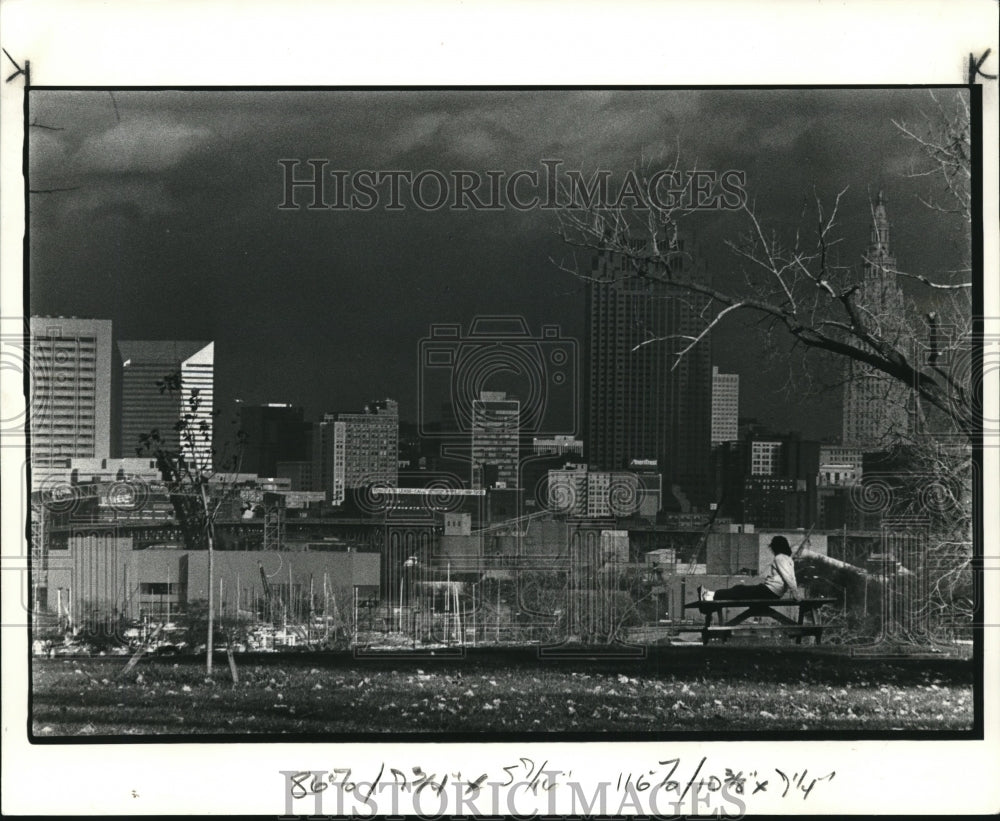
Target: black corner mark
(975,67)
(18,67)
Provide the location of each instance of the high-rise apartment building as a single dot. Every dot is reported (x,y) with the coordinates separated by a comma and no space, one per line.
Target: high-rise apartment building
(356,450)
(71,401)
(145,407)
(496,431)
(725,406)
(876,405)
(639,405)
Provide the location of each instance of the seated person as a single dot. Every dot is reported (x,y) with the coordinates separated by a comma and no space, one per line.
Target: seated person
(781,577)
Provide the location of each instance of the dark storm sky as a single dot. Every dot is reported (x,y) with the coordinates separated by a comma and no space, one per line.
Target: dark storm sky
(174,230)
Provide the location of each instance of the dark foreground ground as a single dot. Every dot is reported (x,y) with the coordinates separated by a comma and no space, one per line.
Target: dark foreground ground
(721,689)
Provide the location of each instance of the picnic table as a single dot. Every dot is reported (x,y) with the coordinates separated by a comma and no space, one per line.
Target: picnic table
(761,608)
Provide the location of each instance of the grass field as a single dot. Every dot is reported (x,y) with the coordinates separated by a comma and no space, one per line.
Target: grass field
(698,689)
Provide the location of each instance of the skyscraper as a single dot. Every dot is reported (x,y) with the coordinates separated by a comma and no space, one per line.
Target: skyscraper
(875,405)
(639,406)
(725,406)
(146,408)
(71,392)
(274,433)
(496,431)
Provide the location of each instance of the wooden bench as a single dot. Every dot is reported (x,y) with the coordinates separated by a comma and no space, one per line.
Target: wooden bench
(765,608)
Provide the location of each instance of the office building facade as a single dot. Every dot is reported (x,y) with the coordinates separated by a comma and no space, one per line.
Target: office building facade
(496,431)
(840,466)
(72,383)
(725,406)
(357,450)
(575,490)
(639,405)
(145,407)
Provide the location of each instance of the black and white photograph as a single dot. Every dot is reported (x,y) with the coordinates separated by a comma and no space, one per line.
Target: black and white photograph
(410,413)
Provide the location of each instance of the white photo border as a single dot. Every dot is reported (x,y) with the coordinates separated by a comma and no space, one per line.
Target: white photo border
(210,43)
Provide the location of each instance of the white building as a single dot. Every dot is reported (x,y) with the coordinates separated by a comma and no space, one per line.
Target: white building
(725,407)
(69,407)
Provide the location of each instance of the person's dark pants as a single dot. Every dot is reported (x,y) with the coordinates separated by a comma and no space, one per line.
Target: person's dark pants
(746,591)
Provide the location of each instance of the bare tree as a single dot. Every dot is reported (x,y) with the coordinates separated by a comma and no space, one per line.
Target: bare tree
(794,286)
(196,489)
(792,282)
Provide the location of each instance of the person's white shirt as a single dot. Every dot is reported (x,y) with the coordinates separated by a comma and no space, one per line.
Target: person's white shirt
(781,576)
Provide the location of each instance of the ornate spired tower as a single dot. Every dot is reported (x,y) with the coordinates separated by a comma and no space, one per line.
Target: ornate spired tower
(875,404)
(879,258)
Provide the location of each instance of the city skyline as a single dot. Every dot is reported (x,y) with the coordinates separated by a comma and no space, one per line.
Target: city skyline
(349,295)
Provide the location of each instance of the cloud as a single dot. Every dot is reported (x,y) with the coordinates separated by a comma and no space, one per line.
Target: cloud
(143,144)
(47,150)
(418,133)
(126,198)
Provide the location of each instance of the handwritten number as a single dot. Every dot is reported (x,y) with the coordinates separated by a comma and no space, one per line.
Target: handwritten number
(298,789)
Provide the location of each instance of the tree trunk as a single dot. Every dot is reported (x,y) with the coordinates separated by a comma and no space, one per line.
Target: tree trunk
(210,535)
(837,564)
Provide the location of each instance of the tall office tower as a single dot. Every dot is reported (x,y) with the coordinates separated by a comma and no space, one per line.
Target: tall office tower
(72,389)
(145,407)
(356,450)
(274,433)
(639,406)
(725,407)
(496,431)
(876,405)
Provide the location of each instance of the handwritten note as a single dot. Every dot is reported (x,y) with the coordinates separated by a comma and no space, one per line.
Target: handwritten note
(671,786)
